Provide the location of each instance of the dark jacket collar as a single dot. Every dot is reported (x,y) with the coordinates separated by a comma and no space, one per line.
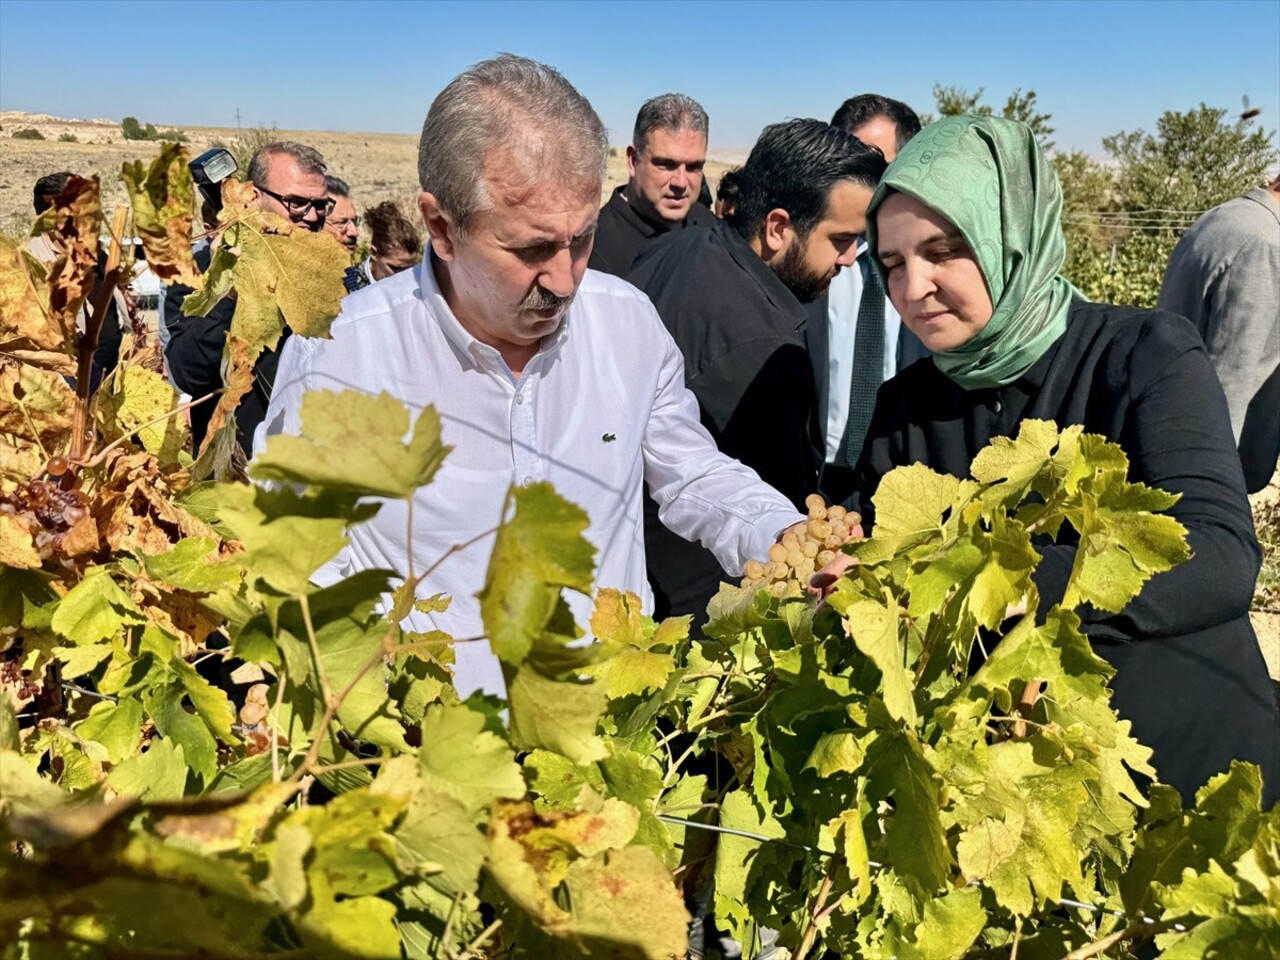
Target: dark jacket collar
(698,216)
(773,289)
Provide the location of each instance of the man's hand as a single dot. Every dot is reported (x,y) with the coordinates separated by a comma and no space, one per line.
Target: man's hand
(822,582)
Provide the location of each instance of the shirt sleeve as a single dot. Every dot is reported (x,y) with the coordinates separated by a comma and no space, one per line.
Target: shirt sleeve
(1243,333)
(701,493)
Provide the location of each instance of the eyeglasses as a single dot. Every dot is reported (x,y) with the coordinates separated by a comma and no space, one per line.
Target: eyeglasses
(343,222)
(298,206)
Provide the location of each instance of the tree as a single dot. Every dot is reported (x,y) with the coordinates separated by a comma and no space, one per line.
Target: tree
(956,101)
(1163,182)
(1194,161)
(132,129)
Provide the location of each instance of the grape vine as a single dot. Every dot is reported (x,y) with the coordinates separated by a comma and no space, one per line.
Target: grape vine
(202,753)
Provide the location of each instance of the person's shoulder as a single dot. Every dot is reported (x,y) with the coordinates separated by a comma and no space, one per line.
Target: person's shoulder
(372,320)
(612,314)
(677,249)
(1135,328)
(600,289)
(700,216)
(1237,224)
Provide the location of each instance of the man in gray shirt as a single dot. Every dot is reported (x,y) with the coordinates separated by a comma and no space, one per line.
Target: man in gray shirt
(1224,275)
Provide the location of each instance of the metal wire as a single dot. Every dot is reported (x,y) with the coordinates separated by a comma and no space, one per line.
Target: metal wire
(761,838)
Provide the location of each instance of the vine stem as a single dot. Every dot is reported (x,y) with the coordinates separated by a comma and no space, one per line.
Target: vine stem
(101,455)
(1141,928)
(332,704)
(275,725)
(482,938)
(817,912)
(89,343)
(315,649)
(1030,694)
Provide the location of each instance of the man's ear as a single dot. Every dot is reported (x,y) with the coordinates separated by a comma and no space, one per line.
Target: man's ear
(775,233)
(633,157)
(439,227)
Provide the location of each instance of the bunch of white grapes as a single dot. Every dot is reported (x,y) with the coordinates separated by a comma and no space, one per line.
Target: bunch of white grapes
(793,561)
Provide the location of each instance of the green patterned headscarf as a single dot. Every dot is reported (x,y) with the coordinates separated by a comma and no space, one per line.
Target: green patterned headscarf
(989,177)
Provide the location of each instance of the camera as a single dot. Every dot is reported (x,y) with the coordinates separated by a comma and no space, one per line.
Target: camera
(209,170)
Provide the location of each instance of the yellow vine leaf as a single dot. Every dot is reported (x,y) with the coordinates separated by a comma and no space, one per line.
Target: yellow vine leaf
(282,273)
(137,396)
(162,197)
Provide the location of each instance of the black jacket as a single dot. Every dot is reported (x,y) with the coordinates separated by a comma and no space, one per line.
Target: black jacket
(837,479)
(194,355)
(741,333)
(622,234)
(1189,672)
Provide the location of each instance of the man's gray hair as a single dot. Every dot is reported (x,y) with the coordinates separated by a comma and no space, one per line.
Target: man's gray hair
(336,186)
(514,106)
(307,158)
(671,111)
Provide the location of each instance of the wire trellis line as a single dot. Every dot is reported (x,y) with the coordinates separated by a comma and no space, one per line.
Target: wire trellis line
(761,838)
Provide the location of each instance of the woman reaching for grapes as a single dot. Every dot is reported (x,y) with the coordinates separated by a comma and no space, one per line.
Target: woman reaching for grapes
(966,231)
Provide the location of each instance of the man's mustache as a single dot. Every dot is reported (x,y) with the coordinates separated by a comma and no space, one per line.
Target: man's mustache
(539,299)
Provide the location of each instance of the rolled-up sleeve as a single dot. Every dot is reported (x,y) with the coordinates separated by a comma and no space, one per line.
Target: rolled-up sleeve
(702,494)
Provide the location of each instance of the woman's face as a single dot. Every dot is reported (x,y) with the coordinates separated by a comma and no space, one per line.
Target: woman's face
(933,278)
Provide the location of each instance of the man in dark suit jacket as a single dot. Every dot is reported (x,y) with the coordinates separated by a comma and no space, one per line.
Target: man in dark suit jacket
(290,181)
(665,162)
(855,337)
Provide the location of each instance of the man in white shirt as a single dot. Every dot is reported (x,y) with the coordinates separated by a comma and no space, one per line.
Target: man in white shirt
(845,357)
(541,370)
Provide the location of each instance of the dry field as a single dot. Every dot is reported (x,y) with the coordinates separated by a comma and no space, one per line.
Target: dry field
(379,166)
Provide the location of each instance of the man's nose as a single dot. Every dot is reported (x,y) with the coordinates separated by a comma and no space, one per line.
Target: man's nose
(847,258)
(557,274)
(680,178)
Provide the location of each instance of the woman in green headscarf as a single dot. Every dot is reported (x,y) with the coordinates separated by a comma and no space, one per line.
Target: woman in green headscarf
(965,228)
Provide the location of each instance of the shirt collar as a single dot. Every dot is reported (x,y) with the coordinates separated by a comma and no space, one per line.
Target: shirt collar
(458,335)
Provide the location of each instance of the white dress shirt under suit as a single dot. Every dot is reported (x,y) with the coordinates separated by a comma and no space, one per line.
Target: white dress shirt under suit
(843,299)
(600,409)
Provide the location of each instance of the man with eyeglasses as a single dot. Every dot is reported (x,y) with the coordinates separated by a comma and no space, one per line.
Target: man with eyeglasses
(344,224)
(289,179)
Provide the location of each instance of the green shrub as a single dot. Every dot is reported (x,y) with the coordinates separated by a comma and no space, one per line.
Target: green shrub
(68,138)
(27,133)
(133,130)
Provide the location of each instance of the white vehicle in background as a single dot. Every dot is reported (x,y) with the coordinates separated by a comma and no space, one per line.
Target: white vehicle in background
(146,286)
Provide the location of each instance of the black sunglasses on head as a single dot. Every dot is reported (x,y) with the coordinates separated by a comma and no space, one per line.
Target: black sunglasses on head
(298,206)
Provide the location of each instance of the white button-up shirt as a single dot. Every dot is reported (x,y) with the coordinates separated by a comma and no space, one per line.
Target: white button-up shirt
(600,408)
(844,297)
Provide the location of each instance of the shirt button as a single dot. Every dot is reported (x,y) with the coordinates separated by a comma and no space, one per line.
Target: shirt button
(528,479)
(997,406)
(519,398)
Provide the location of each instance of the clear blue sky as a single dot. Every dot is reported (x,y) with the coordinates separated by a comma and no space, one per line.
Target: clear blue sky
(1098,66)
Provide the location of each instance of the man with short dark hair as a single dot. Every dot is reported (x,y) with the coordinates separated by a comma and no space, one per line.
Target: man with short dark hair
(111,334)
(540,369)
(878,121)
(664,161)
(727,193)
(289,179)
(733,298)
(856,339)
